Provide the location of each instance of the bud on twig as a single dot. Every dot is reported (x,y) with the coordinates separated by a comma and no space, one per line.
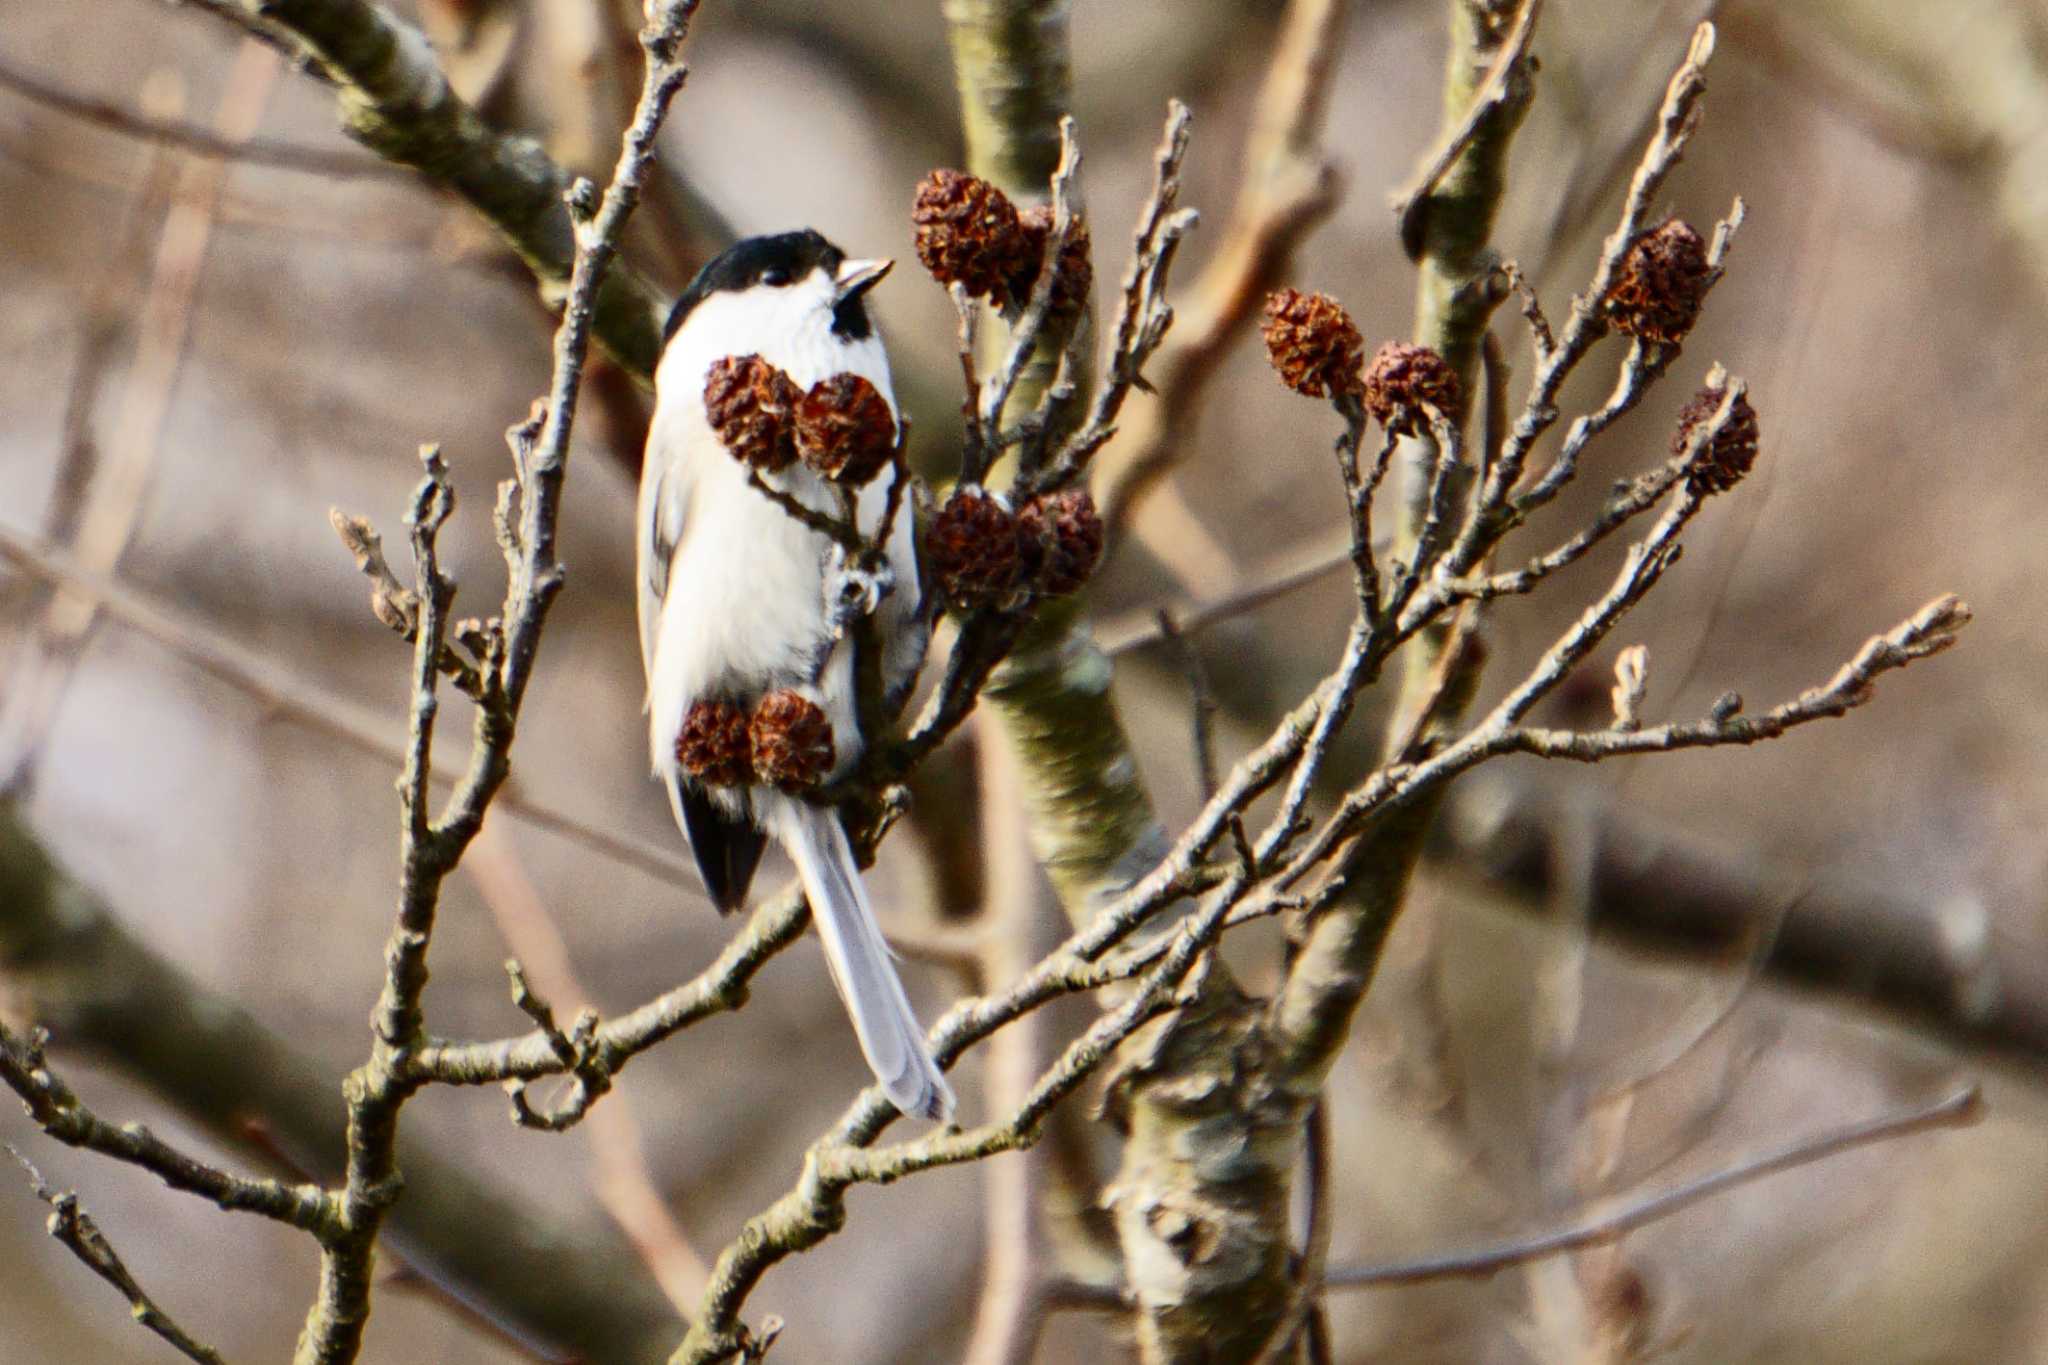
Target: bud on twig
(1721,463)
(968,233)
(1631,681)
(1313,343)
(751,405)
(1060,536)
(792,741)
(1404,382)
(845,430)
(974,546)
(1663,280)
(713,746)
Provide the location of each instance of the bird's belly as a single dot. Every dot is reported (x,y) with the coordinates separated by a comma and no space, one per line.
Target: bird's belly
(745,605)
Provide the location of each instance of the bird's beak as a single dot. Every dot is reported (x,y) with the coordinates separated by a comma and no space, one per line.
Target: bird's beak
(857,277)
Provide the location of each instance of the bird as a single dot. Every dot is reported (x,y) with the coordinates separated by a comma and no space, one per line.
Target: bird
(733,605)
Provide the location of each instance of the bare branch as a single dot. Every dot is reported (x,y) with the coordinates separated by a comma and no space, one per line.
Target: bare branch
(61,1114)
(74,1227)
(303,700)
(1145,316)
(1588,323)
(1929,631)
(431,847)
(395,604)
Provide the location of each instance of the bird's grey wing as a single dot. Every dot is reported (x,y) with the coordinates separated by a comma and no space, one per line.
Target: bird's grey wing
(660,517)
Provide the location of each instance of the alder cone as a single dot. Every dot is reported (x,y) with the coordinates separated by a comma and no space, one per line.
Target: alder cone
(1402,382)
(845,430)
(713,745)
(975,550)
(1731,453)
(1062,540)
(967,233)
(792,741)
(752,405)
(1657,293)
(1075,266)
(1312,343)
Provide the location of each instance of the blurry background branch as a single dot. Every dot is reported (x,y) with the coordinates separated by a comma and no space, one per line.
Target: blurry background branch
(69,964)
(1958,1109)
(1286,189)
(395,100)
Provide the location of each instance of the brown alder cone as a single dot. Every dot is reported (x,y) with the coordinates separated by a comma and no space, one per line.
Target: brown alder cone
(1657,293)
(968,233)
(1721,464)
(1313,343)
(975,550)
(792,741)
(1061,536)
(1402,382)
(713,745)
(845,430)
(1076,270)
(751,405)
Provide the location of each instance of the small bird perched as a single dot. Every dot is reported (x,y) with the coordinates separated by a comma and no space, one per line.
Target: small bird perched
(733,597)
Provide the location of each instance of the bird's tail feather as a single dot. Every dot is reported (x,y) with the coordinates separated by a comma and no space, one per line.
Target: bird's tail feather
(860,961)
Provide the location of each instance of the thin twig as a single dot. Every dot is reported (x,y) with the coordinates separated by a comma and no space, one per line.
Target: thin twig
(1677,119)
(191,137)
(1287,187)
(1963,1107)
(74,1227)
(625,1184)
(61,1114)
(1144,317)
(306,702)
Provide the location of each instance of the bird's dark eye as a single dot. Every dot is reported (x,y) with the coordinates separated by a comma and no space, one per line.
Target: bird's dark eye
(775,276)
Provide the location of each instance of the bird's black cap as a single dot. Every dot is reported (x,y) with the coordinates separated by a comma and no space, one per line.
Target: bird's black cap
(746,263)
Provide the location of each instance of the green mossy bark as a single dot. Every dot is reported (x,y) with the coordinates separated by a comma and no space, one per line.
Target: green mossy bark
(395,101)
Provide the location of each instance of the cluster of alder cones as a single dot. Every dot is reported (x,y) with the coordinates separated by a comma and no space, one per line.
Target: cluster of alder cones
(984,555)
(1317,350)
(1656,297)
(784,742)
(969,233)
(981,552)
(841,427)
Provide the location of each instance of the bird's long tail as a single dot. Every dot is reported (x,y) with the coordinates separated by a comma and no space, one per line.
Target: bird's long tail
(860,961)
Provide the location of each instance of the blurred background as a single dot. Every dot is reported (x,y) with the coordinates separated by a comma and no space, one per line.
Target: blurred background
(202,355)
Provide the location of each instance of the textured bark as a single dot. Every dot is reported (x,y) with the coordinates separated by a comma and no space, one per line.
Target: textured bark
(1203,1197)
